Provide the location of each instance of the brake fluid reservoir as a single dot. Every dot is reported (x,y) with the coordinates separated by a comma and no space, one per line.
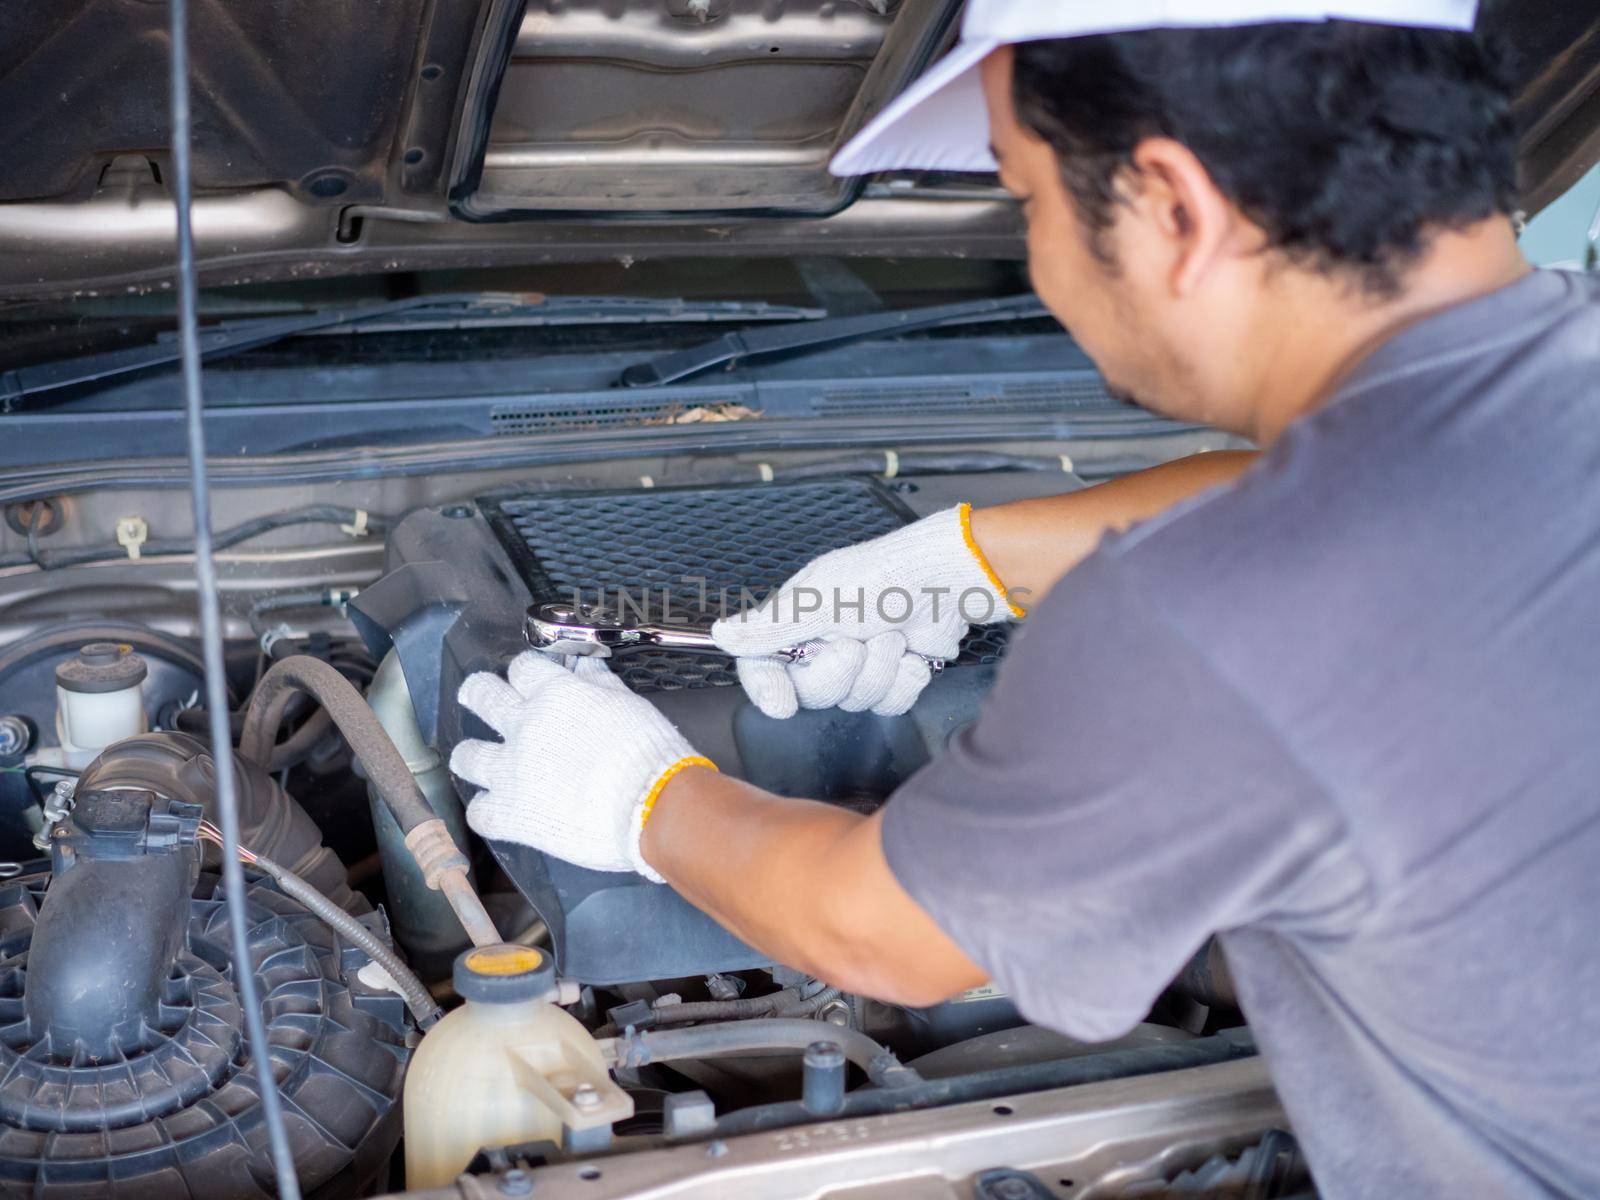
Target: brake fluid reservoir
(99,700)
(506,1067)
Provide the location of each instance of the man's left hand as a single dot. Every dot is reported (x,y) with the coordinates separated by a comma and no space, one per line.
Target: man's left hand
(581,761)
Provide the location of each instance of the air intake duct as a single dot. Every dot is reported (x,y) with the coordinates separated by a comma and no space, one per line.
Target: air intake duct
(108,940)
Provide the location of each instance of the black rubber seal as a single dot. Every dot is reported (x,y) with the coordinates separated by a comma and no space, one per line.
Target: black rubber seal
(102,667)
(504,974)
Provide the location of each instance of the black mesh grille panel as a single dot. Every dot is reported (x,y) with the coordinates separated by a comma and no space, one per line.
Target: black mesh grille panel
(547,416)
(985,644)
(687,552)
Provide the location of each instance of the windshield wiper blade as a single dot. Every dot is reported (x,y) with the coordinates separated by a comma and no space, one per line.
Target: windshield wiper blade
(464,310)
(737,346)
(500,311)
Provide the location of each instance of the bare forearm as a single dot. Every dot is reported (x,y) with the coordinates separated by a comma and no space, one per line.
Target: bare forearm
(1032,543)
(805,883)
(745,856)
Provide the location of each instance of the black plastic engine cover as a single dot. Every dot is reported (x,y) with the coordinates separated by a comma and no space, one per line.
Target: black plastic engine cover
(176,1110)
(460,579)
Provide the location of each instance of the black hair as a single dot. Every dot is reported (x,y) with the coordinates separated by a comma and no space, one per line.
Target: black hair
(1347,143)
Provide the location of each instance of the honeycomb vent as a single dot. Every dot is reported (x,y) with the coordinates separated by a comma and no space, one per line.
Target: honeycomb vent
(692,553)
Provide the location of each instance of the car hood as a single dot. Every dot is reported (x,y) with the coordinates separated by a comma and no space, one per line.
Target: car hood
(335,137)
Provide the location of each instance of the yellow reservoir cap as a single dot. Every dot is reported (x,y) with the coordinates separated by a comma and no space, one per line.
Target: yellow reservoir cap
(504,974)
(504,960)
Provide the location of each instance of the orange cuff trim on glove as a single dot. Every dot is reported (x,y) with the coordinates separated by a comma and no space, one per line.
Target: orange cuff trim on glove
(983,561)
(667,777)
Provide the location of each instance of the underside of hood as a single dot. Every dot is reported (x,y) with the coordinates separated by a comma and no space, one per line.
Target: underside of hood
(637,106)
(340,135)
(690,106)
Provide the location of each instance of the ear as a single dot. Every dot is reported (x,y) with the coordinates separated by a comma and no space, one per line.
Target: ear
(1177,195)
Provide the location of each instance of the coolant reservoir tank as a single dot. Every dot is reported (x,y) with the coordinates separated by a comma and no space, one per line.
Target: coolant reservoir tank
(99,700)
(506,1067)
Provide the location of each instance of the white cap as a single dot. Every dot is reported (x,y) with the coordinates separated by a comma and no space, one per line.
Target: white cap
(941,123)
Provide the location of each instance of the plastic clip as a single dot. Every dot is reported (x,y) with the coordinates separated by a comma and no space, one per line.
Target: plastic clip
(132,533)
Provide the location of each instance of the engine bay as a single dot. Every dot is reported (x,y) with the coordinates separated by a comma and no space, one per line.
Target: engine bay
(511,323)
(709,1050)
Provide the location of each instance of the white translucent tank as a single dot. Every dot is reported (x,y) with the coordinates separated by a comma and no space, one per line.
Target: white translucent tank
(99,700)
(508,1066)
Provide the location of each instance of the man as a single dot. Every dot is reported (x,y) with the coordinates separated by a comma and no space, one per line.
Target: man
(1339,705)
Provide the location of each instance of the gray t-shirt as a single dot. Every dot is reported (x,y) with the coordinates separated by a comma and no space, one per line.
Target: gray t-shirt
(1345,713)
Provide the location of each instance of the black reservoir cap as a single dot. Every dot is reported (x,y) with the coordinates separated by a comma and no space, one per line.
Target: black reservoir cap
(504,974)
(102,667)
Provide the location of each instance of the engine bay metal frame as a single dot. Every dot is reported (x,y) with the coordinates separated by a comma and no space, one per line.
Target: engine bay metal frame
(1104,1138)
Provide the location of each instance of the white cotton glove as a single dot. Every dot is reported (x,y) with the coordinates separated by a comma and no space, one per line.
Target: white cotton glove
(876,611)
(581,762)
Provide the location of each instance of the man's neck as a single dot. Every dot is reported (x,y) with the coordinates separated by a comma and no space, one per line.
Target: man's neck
(1333,329)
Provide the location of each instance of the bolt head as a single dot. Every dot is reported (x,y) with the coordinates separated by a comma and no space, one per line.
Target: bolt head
(586,1097)
(15,736)
(836,1013)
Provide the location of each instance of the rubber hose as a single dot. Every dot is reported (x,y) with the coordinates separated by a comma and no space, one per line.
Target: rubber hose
(179,766)
(417,997)
(741,1009)
(193,721)
(349,711)
(746,1037)
(292,751)
(284,601)
(1228,1046)
(297,747)
(288,753)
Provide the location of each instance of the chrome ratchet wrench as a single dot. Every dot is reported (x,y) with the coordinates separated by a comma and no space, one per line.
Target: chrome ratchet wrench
(569,629)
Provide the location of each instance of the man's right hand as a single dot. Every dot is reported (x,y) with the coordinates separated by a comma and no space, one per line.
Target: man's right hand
(871,616)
